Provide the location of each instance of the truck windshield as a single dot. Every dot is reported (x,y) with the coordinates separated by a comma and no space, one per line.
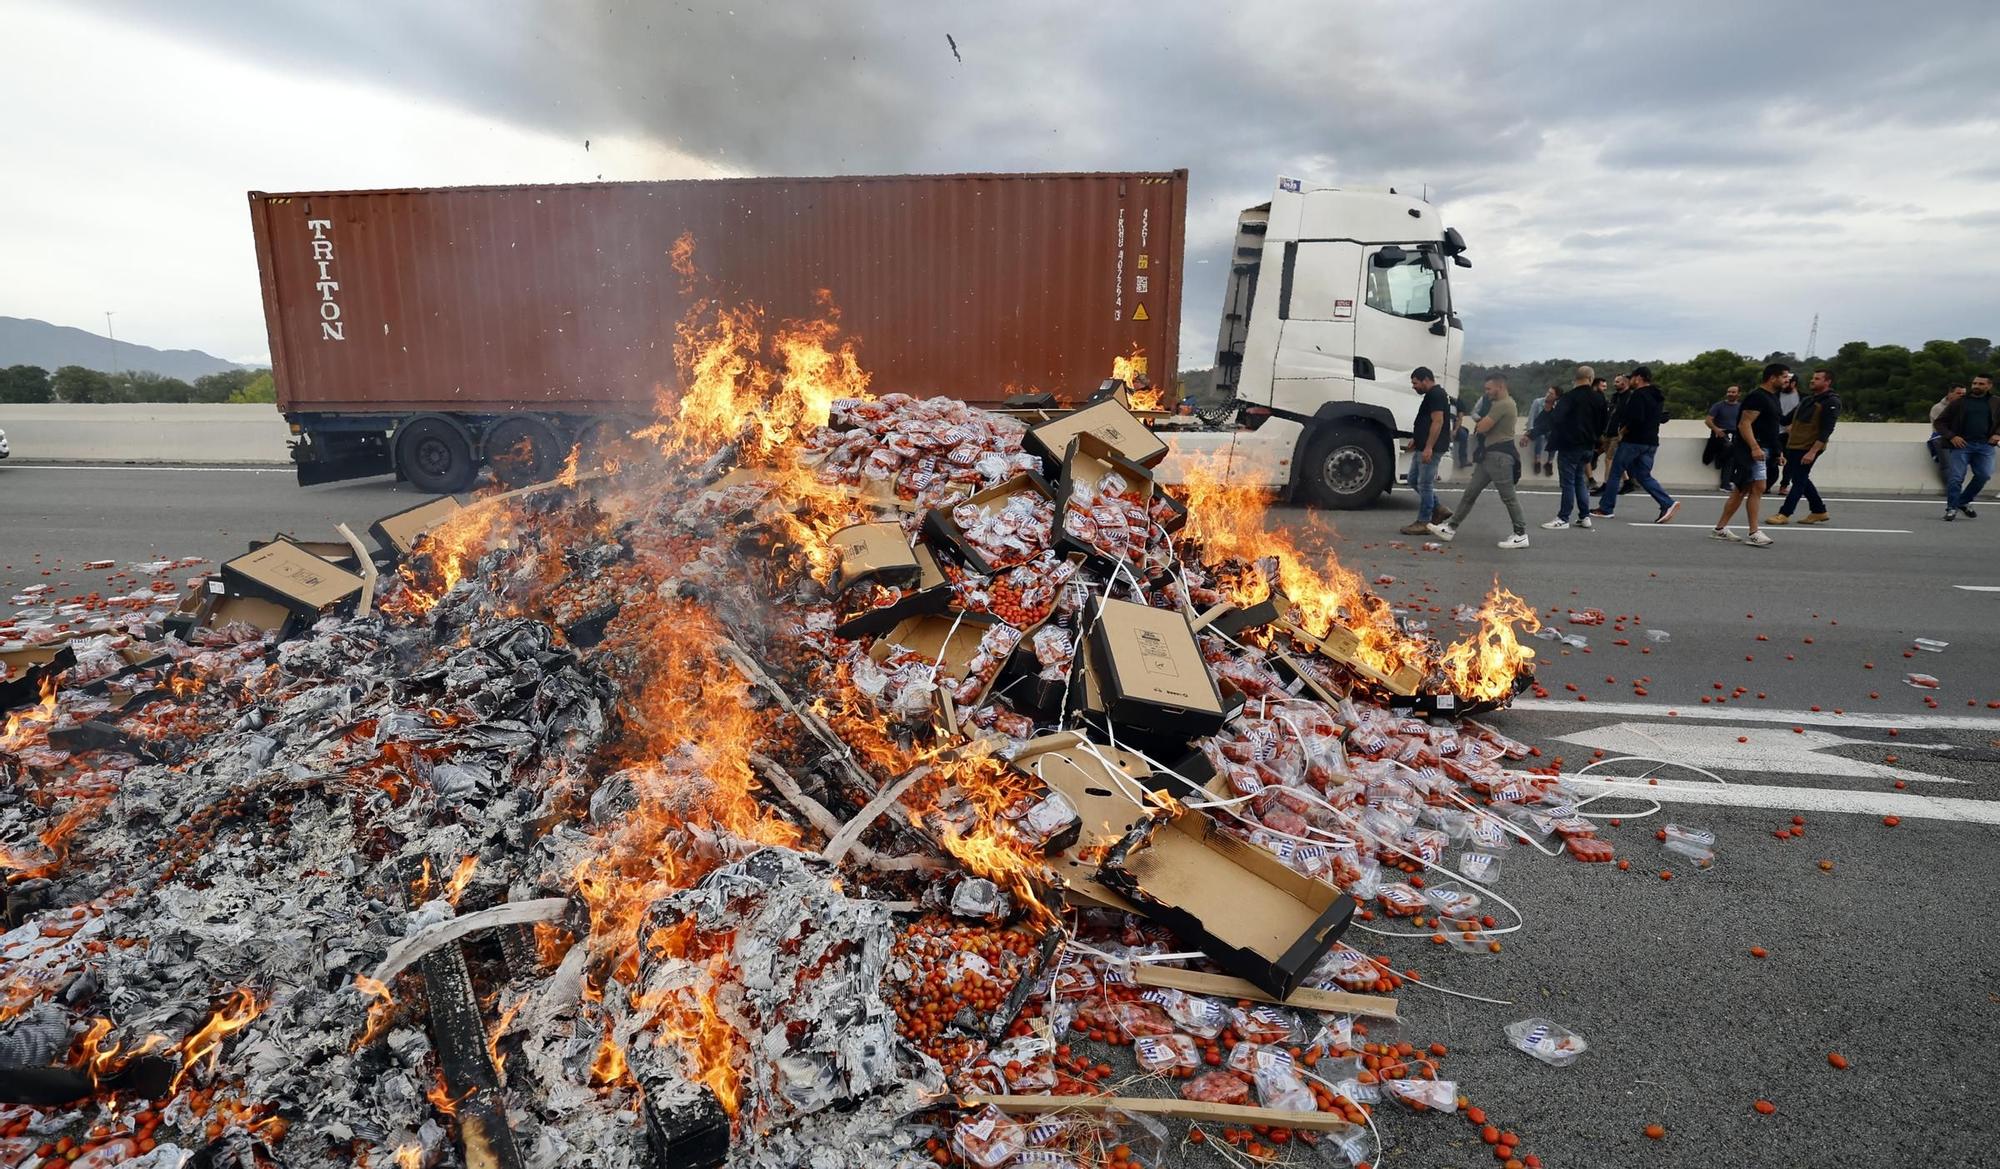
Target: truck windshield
(1403,290)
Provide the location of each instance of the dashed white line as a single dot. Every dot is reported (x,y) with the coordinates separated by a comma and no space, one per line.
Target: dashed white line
(1745,714)
(1803,527)
(1979,588)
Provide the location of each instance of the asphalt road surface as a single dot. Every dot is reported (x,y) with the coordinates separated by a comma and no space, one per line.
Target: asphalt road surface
(1887,956)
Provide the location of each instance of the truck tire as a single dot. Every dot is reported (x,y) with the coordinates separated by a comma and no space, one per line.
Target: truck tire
(1348,467)
(609,441)
(435,454)
(523,449)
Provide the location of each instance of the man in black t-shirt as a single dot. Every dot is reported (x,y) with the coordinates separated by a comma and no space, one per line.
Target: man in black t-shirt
(1751,456)
(1429,440)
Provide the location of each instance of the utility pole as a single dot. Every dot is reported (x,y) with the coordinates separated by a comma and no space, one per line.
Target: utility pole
(1812,338)
(114,342)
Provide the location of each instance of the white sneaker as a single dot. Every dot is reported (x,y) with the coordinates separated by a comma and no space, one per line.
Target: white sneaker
(1725,534)
(1556,525)
(1583,521)
(1513,542)
(1758,540)
(1444,532)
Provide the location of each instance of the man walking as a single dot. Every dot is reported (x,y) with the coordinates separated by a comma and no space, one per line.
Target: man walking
(1812,427)
(1621,394)
(1637,443)
(1971,428)
(1789,400)
(1427,446)
(1722,419)
(1752,456)
(1575,426)
(1538,430)
(1495,461)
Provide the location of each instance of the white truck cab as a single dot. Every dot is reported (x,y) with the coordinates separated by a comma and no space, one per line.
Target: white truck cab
(1335,296)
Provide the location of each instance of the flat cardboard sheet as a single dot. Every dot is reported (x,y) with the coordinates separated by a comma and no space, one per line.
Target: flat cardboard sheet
(284,572)
(1109,421)
(397,534)
(255,612)
(1239,904)
(1154,677)
(877,552)
(1063,763)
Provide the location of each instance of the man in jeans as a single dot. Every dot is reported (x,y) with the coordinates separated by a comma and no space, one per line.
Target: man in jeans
(1971,427)
(1497,462)
(1935,443)
(1427,446)
(1575,426)
(1812,426)
(1637,442)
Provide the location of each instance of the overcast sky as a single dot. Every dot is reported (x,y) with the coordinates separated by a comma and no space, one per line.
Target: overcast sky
(1634,180)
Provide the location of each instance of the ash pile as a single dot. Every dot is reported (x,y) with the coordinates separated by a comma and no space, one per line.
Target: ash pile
(874,781)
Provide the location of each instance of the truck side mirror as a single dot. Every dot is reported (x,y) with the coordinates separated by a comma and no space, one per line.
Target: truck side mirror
(1454,243)
(1461,261)
(1390,256)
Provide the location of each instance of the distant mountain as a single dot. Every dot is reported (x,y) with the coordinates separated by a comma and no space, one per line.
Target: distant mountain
(28,342)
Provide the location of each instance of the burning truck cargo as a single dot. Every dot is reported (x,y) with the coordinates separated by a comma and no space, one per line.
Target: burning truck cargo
(833,778)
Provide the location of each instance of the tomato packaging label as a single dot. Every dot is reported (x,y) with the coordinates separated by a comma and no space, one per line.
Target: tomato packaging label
(1168,1054)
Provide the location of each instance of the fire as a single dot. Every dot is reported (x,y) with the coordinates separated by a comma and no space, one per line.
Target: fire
(452,548)
(705,1038)
(1131,369)
(1228,521)
(608,1065)
(206,1043)
(441,1098)
(379,1012)
(103,1061)
(682,256)
(1486,664)
(460,878)
(409,1157)
(499,1030)
(23,725)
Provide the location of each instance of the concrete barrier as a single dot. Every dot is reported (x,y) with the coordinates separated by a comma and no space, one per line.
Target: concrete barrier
(1884,457)
(152,432)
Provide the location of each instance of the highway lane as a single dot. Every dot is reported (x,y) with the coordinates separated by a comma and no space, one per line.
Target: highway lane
(1887,957)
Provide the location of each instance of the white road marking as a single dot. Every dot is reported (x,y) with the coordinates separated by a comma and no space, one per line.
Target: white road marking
(1705,528)
(1767,752)
(1979,588)
(1797,799)
(1735,712)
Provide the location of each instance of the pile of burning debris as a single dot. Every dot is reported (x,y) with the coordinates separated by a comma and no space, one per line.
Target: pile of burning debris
(849,780)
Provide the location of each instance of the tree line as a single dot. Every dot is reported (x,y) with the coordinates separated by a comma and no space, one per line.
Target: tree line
(76,383)
(1876,383)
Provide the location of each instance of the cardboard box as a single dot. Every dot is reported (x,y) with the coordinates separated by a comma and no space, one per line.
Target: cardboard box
(1153,677)
(950,639)
(1088,460)
(1343,645)
(1239,904)
(1062,762)
(283,572)
(880,620)
(335,552)
(877,552)
(397,534)
(940,528)
(1177,516)
(1109,421)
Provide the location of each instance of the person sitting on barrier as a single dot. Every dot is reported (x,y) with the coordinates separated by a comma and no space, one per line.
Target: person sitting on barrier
(1971,428)
(1935,443)
(1812,426)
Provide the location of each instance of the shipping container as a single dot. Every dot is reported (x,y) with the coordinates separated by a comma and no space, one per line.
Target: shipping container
(429,325)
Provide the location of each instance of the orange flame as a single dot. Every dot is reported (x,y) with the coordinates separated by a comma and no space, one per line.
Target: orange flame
(409,1157)
(22,725)
(608,1065)
(499,1030)
(441,1097)
(706,1039)
(460,878)
(1229,522)
(682,256)
(379,1012)
(206,1043)
(1485,664)
(451,549)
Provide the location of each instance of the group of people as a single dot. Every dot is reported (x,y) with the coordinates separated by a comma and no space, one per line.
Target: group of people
(1567,432)
(1775,435)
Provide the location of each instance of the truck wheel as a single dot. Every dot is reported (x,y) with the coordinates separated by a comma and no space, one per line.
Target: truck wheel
(523,449)
(435,454)
(1347,468)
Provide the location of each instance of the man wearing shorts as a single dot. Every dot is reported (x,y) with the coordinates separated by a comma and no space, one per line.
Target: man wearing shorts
(1753,455)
